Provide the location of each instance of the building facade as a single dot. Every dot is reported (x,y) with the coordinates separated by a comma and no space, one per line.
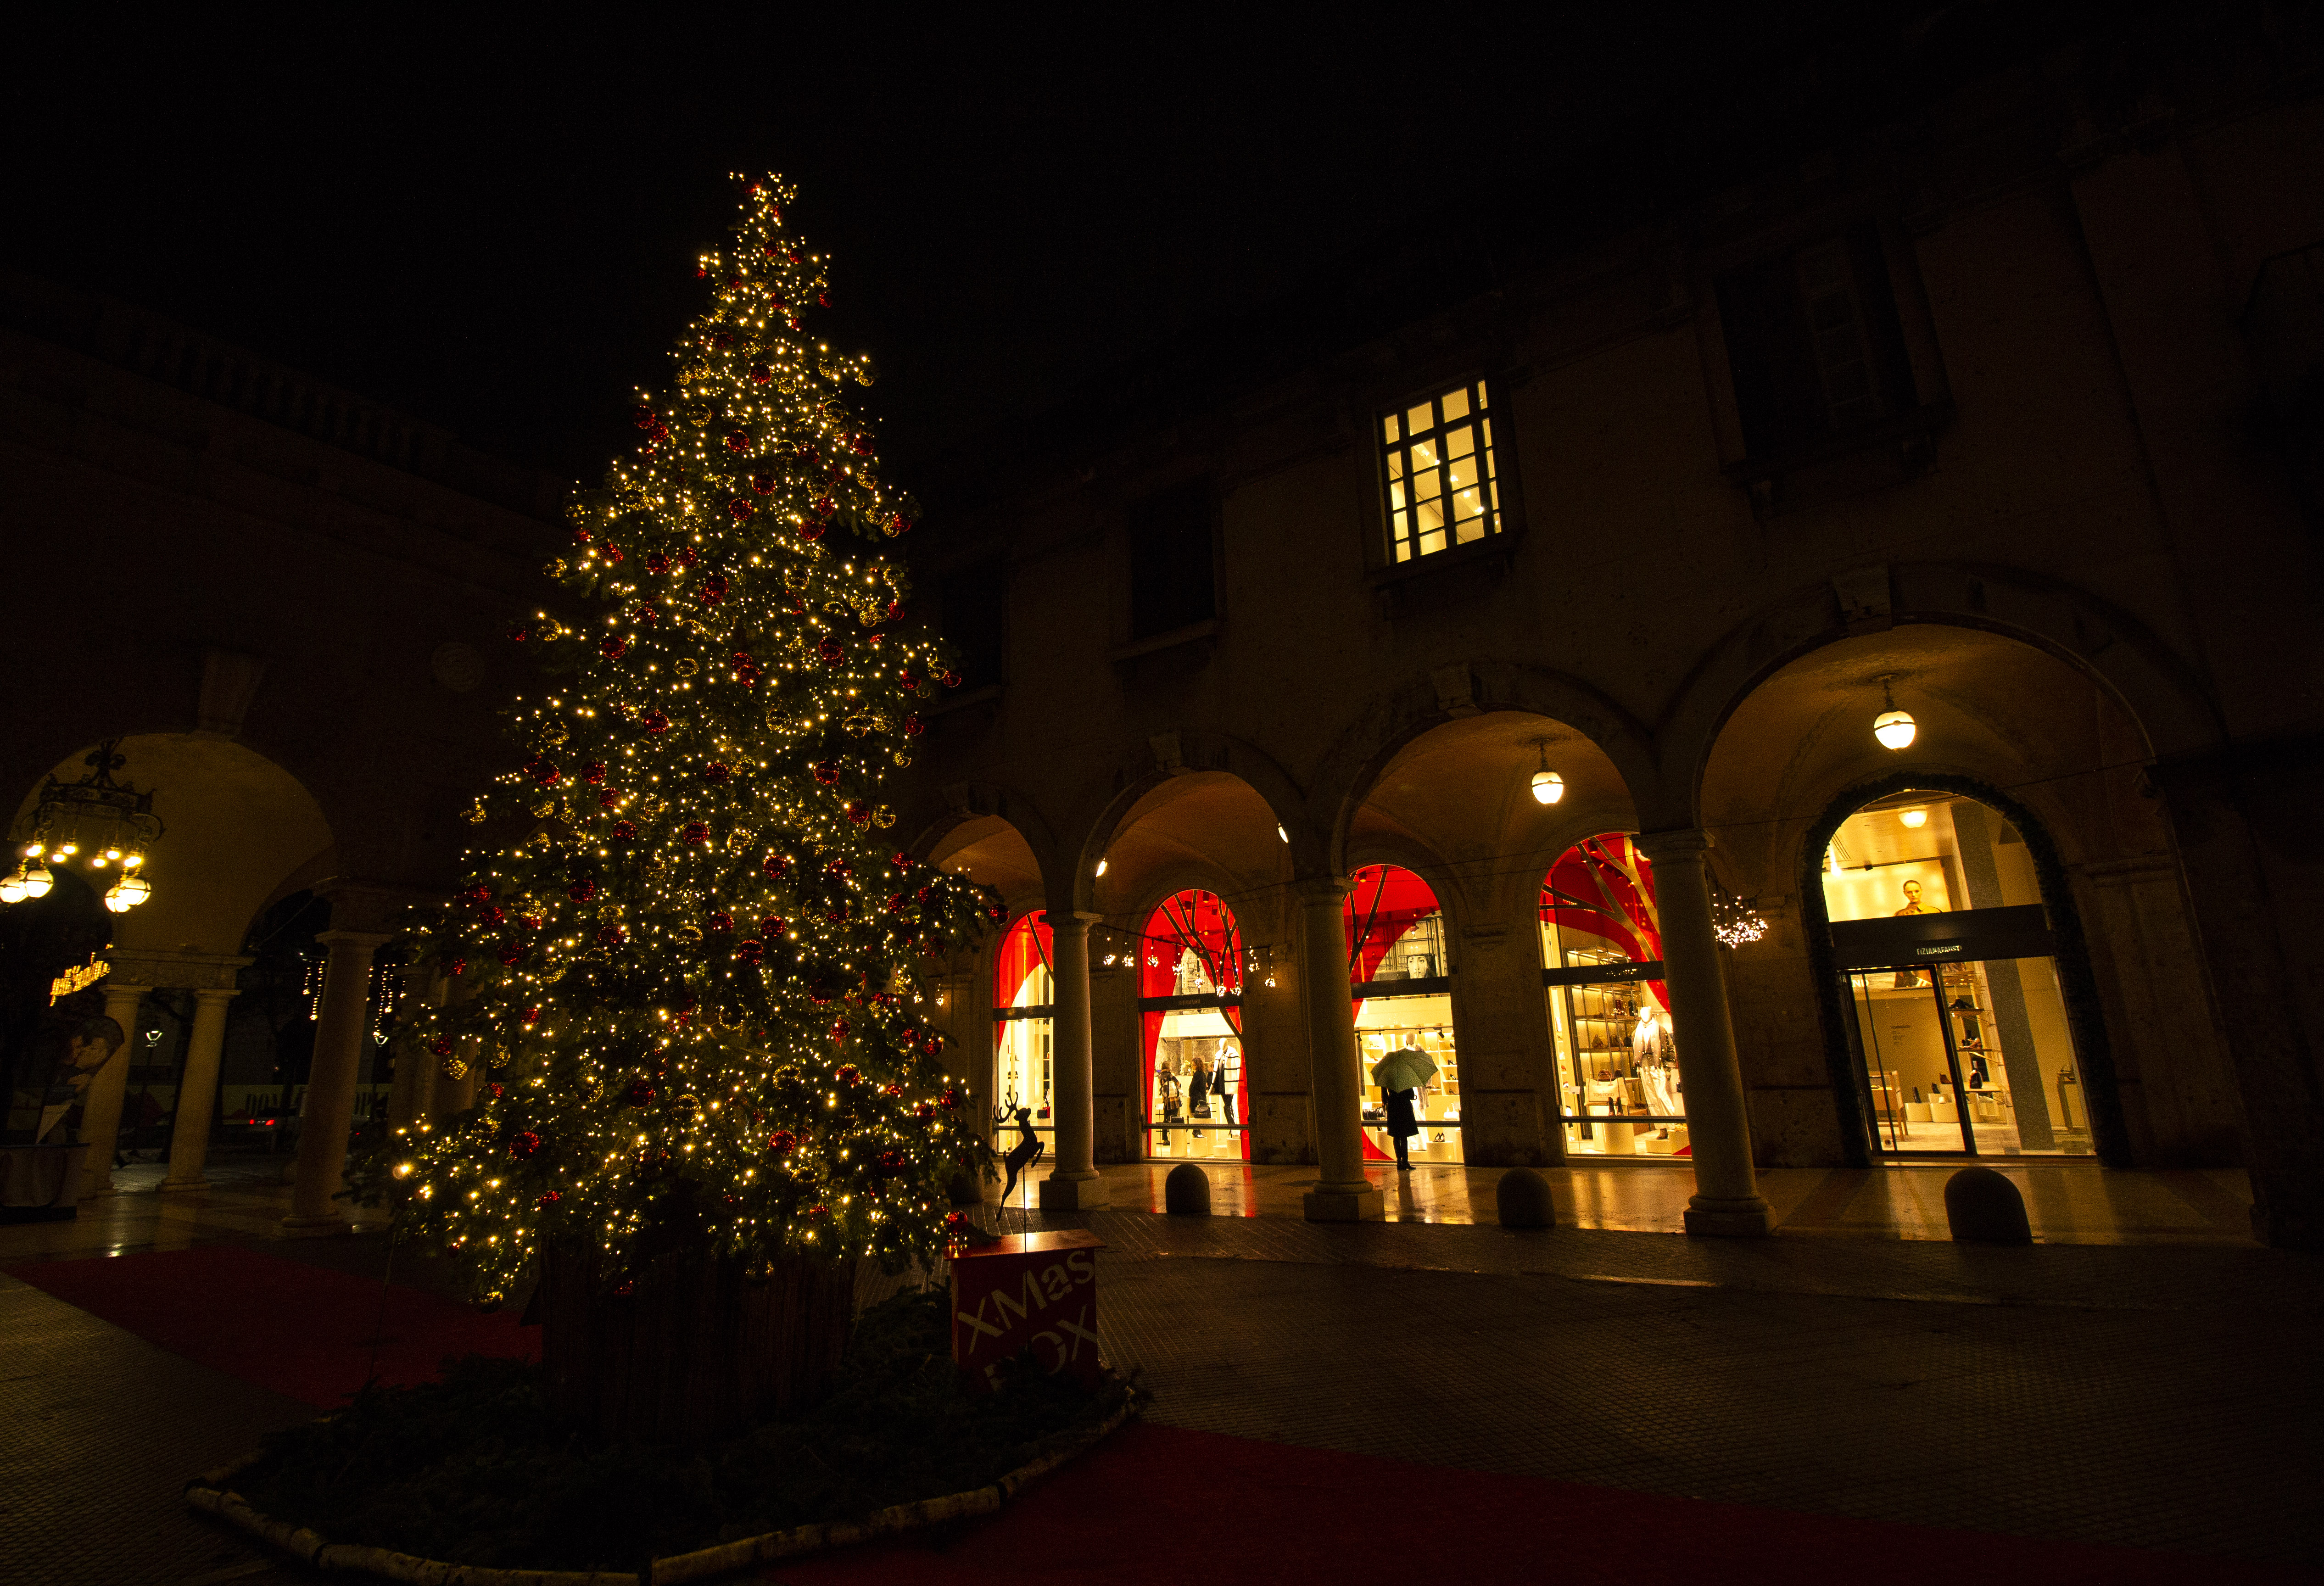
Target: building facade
(285,609)
(2005,417)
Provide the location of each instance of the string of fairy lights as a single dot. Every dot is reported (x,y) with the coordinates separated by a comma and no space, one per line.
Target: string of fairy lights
(691,973)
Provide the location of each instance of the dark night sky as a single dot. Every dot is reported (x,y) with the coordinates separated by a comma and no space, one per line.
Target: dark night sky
(491,223)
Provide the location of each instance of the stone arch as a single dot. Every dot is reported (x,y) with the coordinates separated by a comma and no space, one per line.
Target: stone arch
(1391,722)
(985,824)
(238,828)
(2116,650)
(1180,754)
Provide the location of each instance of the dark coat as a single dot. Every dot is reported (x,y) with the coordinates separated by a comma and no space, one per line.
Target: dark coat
(1400,1118)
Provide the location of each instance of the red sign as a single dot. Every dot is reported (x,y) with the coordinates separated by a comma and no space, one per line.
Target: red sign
(1026,1290)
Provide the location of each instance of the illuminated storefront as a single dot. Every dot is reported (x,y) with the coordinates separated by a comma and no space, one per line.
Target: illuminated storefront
(1024,1033)
(1190,968)
(1617,1076)
(1958,1026)
(1397,974)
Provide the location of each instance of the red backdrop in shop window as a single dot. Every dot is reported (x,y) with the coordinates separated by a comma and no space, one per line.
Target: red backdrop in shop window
(1201,921)
(1387,901)
(1603,886)
(1023,950)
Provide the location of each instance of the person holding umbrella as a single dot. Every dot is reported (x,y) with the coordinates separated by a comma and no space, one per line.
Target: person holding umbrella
(1399,1075)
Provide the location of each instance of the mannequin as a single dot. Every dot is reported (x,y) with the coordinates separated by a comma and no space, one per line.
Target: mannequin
(1652,1048)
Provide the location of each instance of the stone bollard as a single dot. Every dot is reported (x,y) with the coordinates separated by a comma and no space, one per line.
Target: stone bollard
(1985,1209)
(1187,1192)
(1522,1198)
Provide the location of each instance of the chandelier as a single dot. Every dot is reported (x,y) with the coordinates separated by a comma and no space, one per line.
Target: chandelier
(1732,921)
(104,826)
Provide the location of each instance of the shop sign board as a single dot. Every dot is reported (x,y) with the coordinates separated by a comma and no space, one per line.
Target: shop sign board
(1035,1291)
(2021,930)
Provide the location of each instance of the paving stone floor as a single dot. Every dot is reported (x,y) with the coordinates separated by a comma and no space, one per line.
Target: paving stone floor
(2155,1395)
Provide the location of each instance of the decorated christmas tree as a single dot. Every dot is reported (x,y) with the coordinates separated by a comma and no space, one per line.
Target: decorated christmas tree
(689,962)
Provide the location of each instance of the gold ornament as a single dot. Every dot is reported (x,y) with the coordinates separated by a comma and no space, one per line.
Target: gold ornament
(857,726)
(686,666)
(455,1069)
(477,813)
(556,569)
(902,760)
(688,934)
(503,1056)
(546,809)
(552,732)
(883,817)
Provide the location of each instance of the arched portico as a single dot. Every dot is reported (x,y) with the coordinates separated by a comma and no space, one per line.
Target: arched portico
(2049,745)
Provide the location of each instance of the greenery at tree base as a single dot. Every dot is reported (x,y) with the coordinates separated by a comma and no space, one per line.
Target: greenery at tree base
(477,1469)
(690,967)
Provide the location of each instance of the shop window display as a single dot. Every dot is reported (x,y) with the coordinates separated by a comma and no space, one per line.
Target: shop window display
(1397,973)
(1619,1089)
(1437,460)
(1190,969)
(1962,1042)
(1024,1032)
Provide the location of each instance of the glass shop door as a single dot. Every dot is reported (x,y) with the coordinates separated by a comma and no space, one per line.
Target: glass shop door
(1967,1058)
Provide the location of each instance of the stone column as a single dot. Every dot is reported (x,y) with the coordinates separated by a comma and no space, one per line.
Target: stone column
(330,1112)
(1341,1194)
(1726,1198)
(100,1116)
(1073,1184)
(189,1132)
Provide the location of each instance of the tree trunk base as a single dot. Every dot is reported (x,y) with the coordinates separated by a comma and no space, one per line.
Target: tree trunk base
(697,1351)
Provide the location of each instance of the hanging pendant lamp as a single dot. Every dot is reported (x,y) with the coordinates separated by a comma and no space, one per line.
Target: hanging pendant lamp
(1894,728)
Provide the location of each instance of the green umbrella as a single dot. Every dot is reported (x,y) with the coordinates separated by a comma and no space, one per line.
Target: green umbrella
(1403,1069)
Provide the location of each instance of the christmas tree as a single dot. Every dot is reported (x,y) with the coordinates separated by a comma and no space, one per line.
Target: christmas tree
(690,971)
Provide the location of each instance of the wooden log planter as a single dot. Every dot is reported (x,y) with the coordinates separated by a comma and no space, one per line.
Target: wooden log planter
(212,1493)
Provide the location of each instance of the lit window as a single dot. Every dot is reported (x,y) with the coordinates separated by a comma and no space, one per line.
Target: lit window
(1441,488)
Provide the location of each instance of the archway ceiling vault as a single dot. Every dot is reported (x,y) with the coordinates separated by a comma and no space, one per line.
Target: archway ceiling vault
(991,851)
(1463,790)
(1984,705)
(236,826)
(1209,819)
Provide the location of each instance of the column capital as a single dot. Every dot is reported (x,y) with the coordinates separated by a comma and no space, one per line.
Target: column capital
(215,996)
(1678,845)
(369,941)
(123,990)
(1314,889)
(1070,919)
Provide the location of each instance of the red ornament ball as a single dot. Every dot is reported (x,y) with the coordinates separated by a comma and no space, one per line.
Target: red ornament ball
(657,563)
(638,1094)
(827,773)
(654,721)
(717,773)
(739,441)
(441,1046)
(776,865)
(581,891)
(913,726)
(750,949)
(524,1144)
(610,936)
(512,954)
(761,374)
(713,589)
(772,925)
(696,833)
(810,533)
(832,652)
(781,1141)
(614,648)
(741,508)
(624,831)
(848,1072)
(721,921)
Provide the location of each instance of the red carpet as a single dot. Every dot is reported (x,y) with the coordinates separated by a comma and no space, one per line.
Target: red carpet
(300,1330)
(1155,1505)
